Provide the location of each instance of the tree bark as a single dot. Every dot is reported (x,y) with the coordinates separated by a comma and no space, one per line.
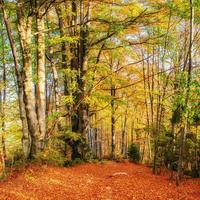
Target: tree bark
(113,145)
(186,123)
(41,77)
(24,28)
(123,150)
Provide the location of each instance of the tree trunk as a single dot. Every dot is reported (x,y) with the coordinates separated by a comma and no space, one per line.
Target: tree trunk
(2,107)
(132,131)
(3,146)
(60,9)
(25,133)
(186,123)
(147,135)
(55,79)
(80,117)
(24,28)
(41,76)
(123,150)
(113,145)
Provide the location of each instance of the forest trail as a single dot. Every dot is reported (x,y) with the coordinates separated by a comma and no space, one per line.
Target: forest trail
(109,181)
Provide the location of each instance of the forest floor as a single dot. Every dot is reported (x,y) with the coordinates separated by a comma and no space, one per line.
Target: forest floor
(108,181)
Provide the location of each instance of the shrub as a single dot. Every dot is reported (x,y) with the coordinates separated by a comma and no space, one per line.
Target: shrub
(134,153)
(64,148)
(15,159)
(77,161)
(54,153)
(119,158)
(52,157)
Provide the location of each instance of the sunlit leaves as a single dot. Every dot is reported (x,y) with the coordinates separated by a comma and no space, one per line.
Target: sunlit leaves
(58,40)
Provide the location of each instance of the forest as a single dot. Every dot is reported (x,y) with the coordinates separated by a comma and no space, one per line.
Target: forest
(100,86)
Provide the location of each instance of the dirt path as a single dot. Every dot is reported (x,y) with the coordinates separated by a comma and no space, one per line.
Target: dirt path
(110,181)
